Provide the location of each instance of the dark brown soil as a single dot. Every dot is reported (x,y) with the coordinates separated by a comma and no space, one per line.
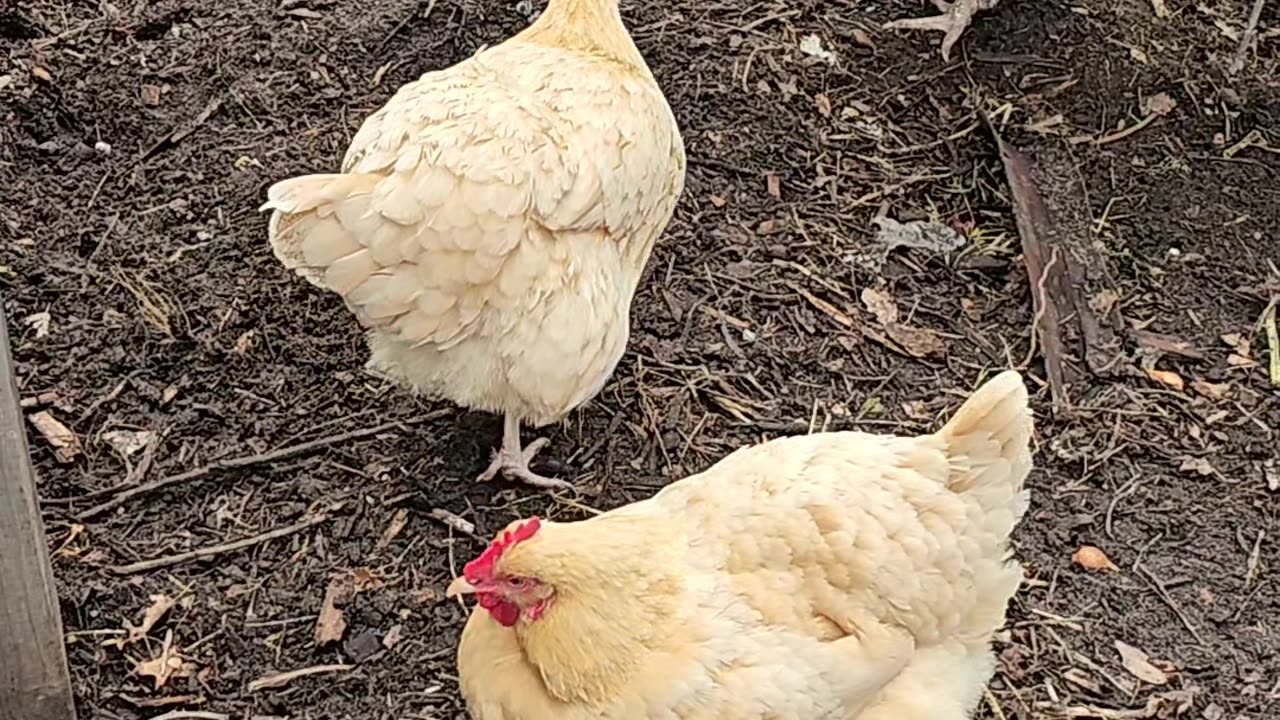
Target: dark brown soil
(167,313)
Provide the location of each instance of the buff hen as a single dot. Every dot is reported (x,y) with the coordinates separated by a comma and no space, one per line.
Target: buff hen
(840,576)
(492,220)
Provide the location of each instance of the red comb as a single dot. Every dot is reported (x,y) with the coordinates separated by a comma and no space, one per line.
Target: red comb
(482,567)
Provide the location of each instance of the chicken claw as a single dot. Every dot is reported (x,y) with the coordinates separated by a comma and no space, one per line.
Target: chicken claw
(954,20)
(513,461)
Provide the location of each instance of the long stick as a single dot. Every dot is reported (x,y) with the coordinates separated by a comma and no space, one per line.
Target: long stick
(1250,37)
(272,456)
(212,550)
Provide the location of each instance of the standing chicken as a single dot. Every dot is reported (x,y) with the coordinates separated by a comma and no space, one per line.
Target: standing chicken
(953,21)
(492,220)
(839,576)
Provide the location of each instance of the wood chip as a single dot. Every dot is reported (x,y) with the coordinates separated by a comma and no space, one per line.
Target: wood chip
(1166,344)
(1092,558)
(330,624)
(66,446)
(393,636)
(457,523)
(1139,665)
(394,528)
(1167,377)
(773,184)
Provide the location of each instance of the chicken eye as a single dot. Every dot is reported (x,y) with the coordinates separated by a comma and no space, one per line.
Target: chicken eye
(517,582)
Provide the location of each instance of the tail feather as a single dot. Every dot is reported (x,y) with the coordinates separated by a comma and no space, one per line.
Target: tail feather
(988,445)
(306,234)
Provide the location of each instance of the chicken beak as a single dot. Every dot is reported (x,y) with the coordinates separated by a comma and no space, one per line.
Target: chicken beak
(459,586)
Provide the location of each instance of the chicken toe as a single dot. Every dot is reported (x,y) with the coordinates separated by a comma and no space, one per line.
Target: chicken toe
(512,460)
(954,20)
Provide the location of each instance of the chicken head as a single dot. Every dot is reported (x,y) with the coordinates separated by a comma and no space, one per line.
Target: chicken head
(506,596)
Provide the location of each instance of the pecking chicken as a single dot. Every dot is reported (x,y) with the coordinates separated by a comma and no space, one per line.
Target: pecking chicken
(491,221)
(841,576)
(953,21)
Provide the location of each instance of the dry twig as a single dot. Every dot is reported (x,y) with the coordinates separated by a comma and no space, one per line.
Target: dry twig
(284,678)
(1248,39)
(267,457)
(211,551)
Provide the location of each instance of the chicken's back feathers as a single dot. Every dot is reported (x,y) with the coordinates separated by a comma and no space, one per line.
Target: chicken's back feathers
(492,221)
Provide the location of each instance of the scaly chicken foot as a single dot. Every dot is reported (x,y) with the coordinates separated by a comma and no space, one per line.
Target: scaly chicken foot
(954,20)
(513,461)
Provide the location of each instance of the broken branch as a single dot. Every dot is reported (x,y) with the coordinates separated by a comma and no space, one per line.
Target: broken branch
(213,550)
(267,457)
(1045,272)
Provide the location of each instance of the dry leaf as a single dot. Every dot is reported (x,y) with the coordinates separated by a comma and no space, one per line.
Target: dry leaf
(330,624)
(39,322)
(1239,343)
(811,45)
(160,604)
(1092,558)
(1079,677)
(917,342)
(363,579)
(42,73)
(1196,465)
(1139,665)
(1103,300)
(718,201)
(151,95)
(824,104)
(393,636)
(1160,104)
(127,442)
(166,665)
(773,184)
(244,343)
(66,446)
(1167,377)
(861,37)
(1238,360)
(1271,469)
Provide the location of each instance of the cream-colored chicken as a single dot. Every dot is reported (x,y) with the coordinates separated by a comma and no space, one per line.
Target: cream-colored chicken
(953,21)
(492,220)
(837,576)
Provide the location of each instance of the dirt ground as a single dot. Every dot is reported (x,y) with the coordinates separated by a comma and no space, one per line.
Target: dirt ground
(137,139)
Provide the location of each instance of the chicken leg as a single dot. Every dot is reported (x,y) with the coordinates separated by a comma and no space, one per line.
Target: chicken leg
(955,18)
(513,461)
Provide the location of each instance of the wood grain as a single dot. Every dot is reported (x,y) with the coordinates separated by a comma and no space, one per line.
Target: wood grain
(34,683)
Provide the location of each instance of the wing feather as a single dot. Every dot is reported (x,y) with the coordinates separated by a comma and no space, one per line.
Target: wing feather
(445,188)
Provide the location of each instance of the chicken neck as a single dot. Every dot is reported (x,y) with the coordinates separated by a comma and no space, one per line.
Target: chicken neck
(590,26)
(512,460)
(620,604)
